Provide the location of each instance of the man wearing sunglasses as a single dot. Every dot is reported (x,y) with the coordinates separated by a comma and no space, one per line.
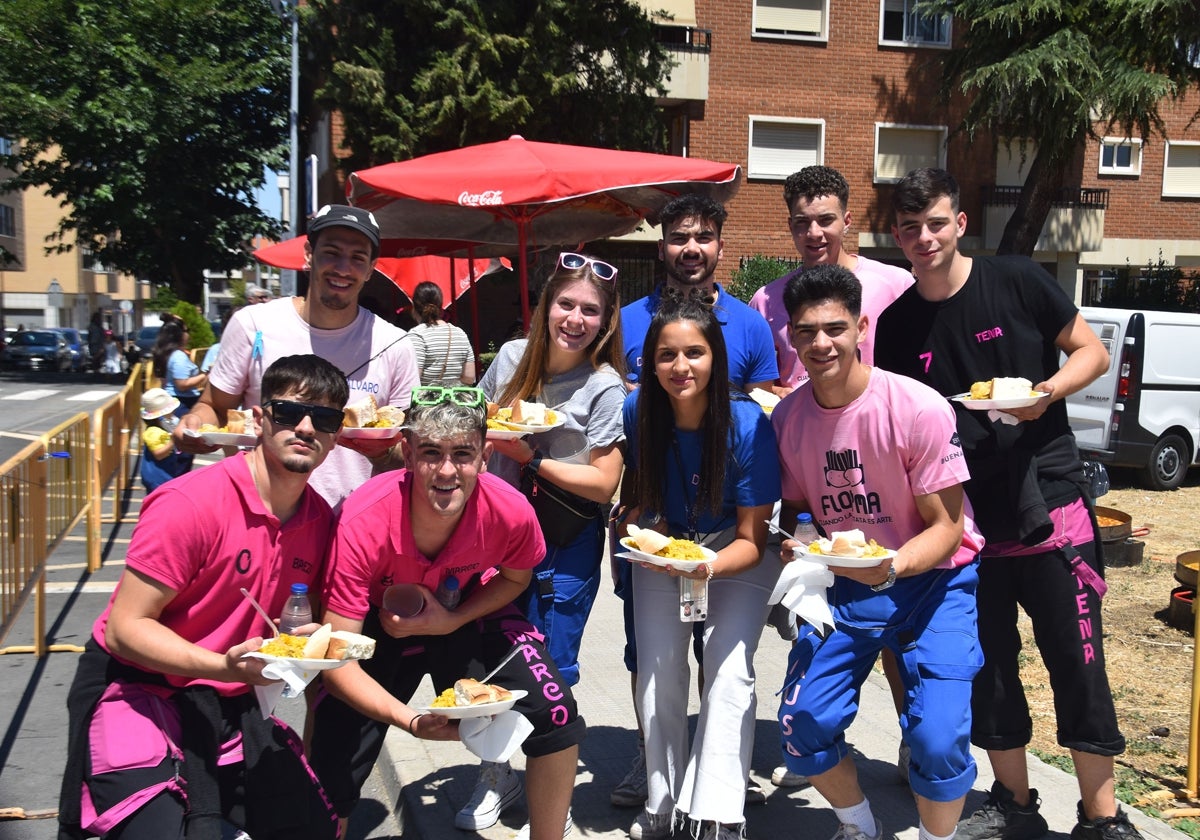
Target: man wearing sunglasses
(376,357)
(441,516)
(162,689)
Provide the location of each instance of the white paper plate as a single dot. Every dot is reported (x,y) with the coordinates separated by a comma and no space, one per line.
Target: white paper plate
(480,710)
(987,405)
(389,432)
(639,556)
(524,429)
(303,664)
(507,434)
(845,562)
(223,438)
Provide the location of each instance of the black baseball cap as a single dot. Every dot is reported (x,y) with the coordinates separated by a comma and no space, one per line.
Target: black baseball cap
(343,215)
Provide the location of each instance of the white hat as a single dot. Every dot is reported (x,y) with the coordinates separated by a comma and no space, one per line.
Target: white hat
(156,402)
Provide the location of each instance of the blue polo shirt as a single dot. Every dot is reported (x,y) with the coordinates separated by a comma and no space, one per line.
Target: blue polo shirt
(748,339)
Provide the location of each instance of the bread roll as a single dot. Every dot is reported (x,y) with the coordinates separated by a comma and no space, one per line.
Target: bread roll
(389,416)
(318,643)
(648,541)
(361,413)
(529,413)
(1011,387)
(469,692)
(346,645)
(848,543)
(239,421)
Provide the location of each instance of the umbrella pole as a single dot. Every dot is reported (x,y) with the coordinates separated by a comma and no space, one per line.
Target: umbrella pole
(453,297)
(522,243)
(474,309)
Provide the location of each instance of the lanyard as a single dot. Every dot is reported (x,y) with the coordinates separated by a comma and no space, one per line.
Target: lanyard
(689,496)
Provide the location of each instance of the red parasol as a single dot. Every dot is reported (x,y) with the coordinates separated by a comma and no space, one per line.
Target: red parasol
(515,192)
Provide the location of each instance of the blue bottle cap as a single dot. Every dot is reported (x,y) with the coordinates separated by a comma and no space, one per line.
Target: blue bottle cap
(299,588)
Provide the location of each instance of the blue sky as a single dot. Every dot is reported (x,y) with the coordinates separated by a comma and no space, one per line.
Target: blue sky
(268,196)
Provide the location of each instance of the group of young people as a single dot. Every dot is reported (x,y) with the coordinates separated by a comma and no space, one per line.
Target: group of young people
(982,516)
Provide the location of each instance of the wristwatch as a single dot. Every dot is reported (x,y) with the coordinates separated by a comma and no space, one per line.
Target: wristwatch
(887,584)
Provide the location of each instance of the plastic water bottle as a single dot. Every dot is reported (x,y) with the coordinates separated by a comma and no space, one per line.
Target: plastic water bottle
(806,530)
(297,611)
(449,592)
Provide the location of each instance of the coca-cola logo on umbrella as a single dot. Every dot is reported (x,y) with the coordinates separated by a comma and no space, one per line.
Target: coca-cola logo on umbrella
(487,198)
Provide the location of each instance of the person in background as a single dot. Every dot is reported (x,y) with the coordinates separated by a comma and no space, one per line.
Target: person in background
(703,467)
(817,199)
(179,375)
(257,294)
(863,449)
(571,362)
(377,359)
(443,351)
(442,516)
(161,461)
(112,355)
(165,735)
(973,319)
(210,355)
(690,251)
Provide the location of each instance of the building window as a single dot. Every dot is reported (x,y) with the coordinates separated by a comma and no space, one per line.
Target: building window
(800,19)
(902,22)
(8,221)
(780,146)
(7,146)
(899,149)
(1181,171)
(1120,156)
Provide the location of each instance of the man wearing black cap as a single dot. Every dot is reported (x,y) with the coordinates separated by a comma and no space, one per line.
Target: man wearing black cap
(343,244)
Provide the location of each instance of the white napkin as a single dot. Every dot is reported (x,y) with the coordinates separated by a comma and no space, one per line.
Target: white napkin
(802,589)
(495,738)
(1003,416)
(292,680)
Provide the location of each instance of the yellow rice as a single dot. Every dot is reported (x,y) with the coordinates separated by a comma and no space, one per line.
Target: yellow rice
(681,550)
(285,645)
(873,549)
(445,700)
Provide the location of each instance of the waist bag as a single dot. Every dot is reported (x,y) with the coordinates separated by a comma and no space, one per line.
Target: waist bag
(561,514)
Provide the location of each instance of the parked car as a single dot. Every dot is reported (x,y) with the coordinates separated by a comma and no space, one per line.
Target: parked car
(37,350)
(76,344)
(1144,411)
(146,337)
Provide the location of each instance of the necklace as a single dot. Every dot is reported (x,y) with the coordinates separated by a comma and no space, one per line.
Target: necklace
(252,460)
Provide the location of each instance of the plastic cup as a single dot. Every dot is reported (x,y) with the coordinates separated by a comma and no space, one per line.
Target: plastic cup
(570,446)
(404,599)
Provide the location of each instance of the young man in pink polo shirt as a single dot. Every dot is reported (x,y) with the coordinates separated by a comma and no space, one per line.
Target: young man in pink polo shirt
(865,449)
(442,516)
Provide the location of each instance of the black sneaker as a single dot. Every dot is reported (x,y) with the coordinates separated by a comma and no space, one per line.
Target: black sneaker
(1001,818)
(1104,828)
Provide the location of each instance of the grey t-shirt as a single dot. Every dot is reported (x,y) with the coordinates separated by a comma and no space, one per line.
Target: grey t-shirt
(589,399)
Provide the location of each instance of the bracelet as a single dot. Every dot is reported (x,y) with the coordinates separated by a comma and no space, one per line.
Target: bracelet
(534,463)
(711,569)
(412,723)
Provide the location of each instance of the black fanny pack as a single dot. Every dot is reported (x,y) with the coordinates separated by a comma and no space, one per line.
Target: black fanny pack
(561,513)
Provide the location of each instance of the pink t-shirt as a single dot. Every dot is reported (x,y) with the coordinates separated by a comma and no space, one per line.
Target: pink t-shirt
(206,535)
(376,357)
(374,547)
(881,284)
(860,466)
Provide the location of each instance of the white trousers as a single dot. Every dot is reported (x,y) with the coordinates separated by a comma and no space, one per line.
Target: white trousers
(709,781)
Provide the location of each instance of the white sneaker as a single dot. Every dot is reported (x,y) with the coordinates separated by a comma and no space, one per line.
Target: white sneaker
(782,777)
(723,832)
(903,760)
(651,826)
(852,832)
(523,834)
(631,792)
(498,787)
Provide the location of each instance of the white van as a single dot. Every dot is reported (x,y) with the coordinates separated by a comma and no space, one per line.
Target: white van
(1144,411)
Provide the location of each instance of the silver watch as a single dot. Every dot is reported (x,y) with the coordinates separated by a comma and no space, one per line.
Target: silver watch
(887,584)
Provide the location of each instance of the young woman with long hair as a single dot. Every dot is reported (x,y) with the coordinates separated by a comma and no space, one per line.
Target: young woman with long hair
(703,467)
(443,351)
(572,362)
(179,375)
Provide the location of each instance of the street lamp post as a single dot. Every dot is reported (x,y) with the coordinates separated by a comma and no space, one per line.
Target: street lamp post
(288,7)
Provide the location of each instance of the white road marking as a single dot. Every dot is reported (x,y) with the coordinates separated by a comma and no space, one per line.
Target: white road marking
(31,395)
(89,588)
(93,396)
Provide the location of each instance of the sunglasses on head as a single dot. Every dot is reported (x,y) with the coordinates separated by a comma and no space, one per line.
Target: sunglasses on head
(290,413)
(459,395)
(601,269)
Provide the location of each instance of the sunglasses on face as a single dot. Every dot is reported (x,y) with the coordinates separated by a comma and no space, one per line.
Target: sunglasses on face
(601,269)
(459,395)
(289,413)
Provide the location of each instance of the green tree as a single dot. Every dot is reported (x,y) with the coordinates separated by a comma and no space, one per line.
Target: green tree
(152,121)
(1051,71)
(757,271)
(1159,286)
(417,76)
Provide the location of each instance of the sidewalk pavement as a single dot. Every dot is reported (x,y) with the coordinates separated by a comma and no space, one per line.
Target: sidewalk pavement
(418,786)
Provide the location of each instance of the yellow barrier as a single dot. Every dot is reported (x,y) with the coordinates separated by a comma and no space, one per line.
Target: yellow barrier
(48,488)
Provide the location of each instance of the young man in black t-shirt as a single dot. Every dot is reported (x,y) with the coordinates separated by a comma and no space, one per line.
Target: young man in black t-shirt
(969,320)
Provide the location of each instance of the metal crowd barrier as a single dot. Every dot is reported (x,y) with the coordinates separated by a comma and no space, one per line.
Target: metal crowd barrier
(48,488)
